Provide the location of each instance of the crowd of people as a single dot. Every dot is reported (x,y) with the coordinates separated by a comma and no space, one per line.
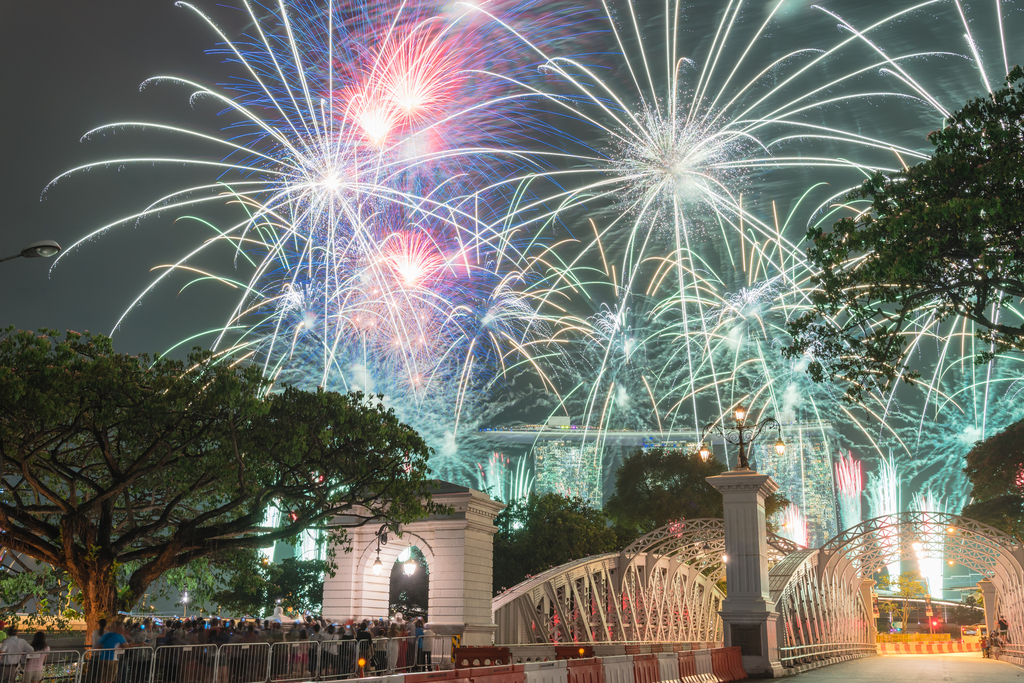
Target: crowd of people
(128,652)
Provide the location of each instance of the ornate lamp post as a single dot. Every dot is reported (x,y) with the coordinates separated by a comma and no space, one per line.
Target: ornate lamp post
(745,434)
(382,539)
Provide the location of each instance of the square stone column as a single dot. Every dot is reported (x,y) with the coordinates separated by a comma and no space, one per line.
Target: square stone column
(748,612)
(988,595)
(866,596)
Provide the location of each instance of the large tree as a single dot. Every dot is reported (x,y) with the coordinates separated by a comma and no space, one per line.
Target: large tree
(545,531)
(995,468)
(943,239)
(656,486)
(112,461)
(253,585)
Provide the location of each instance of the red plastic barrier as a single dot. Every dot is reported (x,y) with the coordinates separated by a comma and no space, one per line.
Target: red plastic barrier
(687,666)
(468,657)
(645,669)
(632,649)
(498,674)
(573,651)
(720,665)
(585,670)
(734,660)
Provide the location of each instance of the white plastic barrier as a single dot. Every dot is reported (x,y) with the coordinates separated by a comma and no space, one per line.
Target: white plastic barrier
(619,669)
(546,672)
(668,667)
(704,668)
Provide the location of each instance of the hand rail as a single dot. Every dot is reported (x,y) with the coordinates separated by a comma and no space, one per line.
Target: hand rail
(823,649)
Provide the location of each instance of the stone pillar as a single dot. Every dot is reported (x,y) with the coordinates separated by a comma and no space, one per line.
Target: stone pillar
(461,588)
(748,613)
(988,594)
(458,548)
(866,596)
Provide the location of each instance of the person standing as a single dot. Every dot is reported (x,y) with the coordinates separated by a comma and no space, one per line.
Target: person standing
(13,650)
(34,662)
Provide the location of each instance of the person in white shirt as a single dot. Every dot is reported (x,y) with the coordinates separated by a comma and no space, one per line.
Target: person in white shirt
(13,650)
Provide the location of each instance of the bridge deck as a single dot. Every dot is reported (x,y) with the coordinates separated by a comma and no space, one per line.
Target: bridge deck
(968,667)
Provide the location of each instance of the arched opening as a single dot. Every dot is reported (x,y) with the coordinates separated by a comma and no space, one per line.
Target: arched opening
(409,587)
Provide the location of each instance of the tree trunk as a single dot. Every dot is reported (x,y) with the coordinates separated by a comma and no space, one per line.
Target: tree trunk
(99,601)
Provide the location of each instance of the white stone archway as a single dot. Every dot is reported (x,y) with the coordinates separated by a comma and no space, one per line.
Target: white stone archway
(458,549)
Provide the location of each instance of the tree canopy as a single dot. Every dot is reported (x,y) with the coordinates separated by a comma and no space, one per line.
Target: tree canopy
(545,531)
(943,239)
(253,585)
(114,462)
(995,468)
(656,486)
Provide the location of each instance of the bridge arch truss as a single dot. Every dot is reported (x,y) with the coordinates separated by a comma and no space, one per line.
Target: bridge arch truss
(662,588)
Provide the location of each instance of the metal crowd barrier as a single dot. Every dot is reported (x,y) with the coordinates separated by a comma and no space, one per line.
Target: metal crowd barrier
(243,662)
(282,662)
(57,666)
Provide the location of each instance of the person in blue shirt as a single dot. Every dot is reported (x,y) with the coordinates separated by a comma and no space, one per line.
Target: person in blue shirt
(421,658)
(104,657)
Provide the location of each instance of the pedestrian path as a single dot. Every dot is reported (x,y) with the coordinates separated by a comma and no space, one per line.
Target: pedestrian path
(968,667)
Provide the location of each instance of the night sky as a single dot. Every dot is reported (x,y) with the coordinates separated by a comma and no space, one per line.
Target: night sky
(71,66)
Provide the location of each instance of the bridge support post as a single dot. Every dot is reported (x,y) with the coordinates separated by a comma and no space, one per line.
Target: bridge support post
(988,595)
(748,612)
(865,595)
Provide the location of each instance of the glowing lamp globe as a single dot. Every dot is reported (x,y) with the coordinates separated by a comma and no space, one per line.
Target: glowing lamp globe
(780,447)
(704,452)
(409,567)
(741,413)
(378,566)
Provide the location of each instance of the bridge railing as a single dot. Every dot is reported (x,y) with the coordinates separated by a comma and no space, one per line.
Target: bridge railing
(805,654)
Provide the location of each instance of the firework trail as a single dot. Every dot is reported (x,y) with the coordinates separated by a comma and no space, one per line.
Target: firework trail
(403,176)
(850,479)
(930,544)
(794,525)
(884,499)
(362,157)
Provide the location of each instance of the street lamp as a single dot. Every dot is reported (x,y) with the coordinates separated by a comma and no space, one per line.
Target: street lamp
(745,435)
(42,248)
(705,451)
(382,539)
(409,567)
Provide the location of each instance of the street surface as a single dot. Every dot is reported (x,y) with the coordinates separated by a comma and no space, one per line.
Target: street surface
(968,667)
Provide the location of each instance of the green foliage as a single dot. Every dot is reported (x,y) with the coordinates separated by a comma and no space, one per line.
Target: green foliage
(49,596)
(122,464)
(658,486)
(995,468)
(410,594)
(253,585)
(943,239)
(904,587)
(968,613)
(545,531)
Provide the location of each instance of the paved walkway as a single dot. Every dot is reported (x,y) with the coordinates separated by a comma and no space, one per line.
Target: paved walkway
(954,668)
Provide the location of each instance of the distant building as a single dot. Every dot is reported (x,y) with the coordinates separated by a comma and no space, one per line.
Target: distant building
(805,474)
(570,469)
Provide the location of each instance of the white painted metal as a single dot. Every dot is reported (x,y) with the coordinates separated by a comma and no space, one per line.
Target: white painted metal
(661,588)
